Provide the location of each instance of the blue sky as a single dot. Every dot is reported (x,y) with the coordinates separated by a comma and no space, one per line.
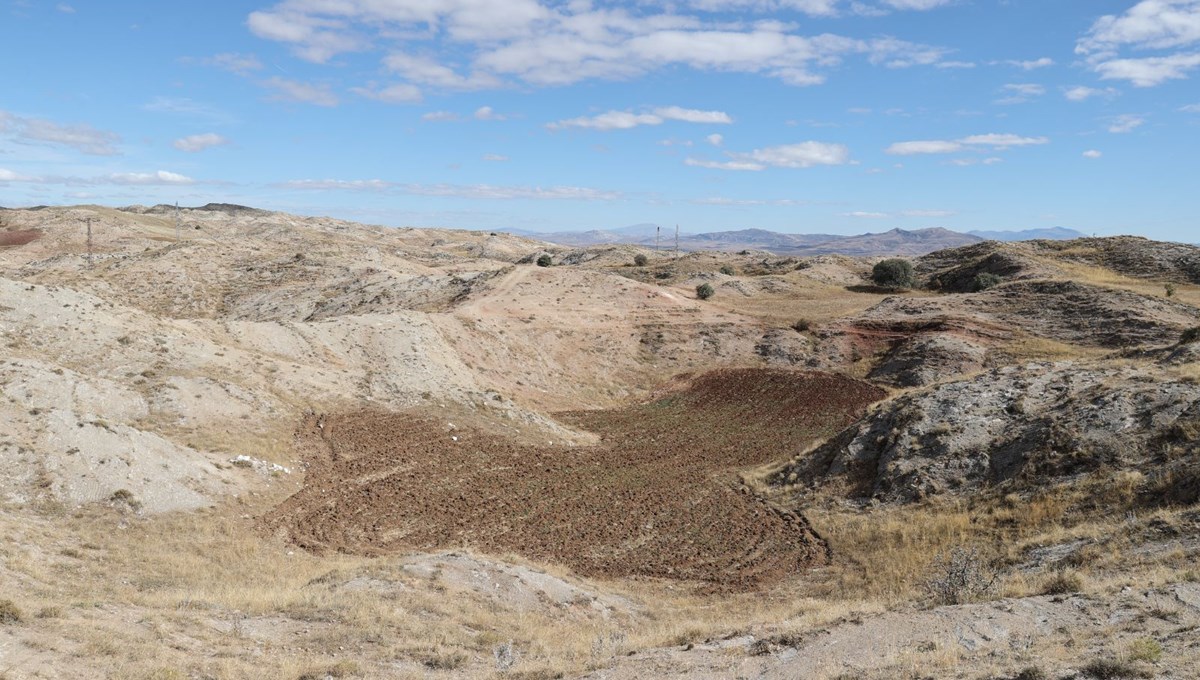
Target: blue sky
(831,116)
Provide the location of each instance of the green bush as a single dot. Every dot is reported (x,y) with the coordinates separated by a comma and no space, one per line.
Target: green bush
(1190,335)
(704,291)
(544,261)
(640,260)
(893,273)
(985,280)
(727,270)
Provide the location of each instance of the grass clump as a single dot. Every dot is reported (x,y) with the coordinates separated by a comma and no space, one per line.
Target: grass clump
(704,291)
(640,260)
(1190,335)
(1115,669)
(1145,649)
(544,260)
(727,270)
(1063,582)
(10,613)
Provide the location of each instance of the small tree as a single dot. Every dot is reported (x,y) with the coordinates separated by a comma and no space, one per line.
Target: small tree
(985,280)
(640,260)
(893,273)
(704,291)
(544,260)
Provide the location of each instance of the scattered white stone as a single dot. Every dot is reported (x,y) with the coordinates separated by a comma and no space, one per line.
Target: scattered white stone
(259,465)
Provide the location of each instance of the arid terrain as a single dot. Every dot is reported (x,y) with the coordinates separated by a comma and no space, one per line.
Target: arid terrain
(267,446)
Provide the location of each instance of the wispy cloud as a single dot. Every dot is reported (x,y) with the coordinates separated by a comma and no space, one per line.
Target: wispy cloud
(624,120)
(1126,123)
(79,136)
(992,141)
(195,143)
(801,155)
(295,91)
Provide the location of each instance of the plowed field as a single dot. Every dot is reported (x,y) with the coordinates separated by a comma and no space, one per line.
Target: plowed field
(658,497)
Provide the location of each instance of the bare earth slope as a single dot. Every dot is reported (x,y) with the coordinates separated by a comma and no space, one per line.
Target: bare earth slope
(658,497)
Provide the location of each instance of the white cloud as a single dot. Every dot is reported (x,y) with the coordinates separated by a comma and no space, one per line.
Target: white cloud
(241,64)
(1126,123)
(65,8)
(1164,25)
(494,158)
(487,113)
(866,215)
(967,162)
(10,176)
(295,91)
(475,191)
(693,115)
(1019,93)
(479,44)
(801,155)
(624,120)
(1003,141)
(1150,24)
(993,140)
(1081,93)
(955,64)
(400,93)
(81,137)
(1030,64)
(162,177)
(440,116)
(923,147)
(194,143)
(715,139)
(1092,153)
(1190,108)
(1149,71)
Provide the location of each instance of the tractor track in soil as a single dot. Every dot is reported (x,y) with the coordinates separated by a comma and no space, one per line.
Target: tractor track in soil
(658,497)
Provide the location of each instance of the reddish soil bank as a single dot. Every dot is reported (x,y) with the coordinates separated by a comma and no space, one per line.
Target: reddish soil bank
(658,497)
(19,237)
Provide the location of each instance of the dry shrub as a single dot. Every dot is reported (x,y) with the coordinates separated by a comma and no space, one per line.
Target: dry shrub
(960,576)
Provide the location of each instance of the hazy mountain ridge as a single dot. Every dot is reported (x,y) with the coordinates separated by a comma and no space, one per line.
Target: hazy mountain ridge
(912,242)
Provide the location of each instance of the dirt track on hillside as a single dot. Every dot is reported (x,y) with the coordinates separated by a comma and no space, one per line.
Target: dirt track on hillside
(658,497)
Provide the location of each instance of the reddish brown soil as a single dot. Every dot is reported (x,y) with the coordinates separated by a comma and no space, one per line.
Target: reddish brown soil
(19,237)
(658,497)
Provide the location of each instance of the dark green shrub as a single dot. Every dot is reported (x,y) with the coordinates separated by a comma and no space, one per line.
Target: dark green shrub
(727,270)
(802,325)
(893,273)
(640,260)
(704,291)
(985,280)
(1111,669)
(544,261)
(1190,335)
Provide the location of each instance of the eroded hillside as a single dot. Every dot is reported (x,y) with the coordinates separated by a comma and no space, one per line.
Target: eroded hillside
(302,447)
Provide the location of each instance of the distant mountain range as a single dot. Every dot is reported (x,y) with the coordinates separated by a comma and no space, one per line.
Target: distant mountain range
(895,242)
